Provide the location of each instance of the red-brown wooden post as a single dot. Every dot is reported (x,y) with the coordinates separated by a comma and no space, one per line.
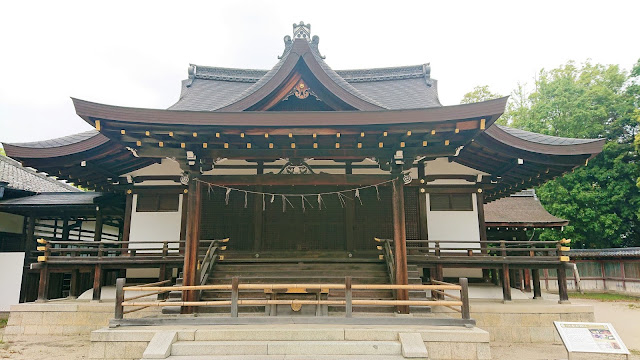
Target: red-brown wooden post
(126,227)
(97,282)
(189,272)
(400,243)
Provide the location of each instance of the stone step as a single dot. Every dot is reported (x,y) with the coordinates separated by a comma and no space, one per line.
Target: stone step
(190,348)
(292,357)
(284,279)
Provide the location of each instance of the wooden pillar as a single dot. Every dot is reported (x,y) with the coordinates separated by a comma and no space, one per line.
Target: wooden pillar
(126,226)
(97,232)
(506,283)
(65,229)
(258,216)
(350,220)
(43,284)
(97,282)
(29,243)
(482,228)
(189,270)
(562,285)
(400,242)
(527,280)
(537,293)
(74,287)
(183,221)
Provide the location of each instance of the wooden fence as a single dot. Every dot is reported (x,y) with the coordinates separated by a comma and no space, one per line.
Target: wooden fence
(459,303)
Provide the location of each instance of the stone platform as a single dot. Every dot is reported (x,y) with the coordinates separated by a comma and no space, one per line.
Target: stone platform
(297,341)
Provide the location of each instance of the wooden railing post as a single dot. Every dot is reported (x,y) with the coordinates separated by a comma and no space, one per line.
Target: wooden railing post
(464,296)
(348,296)
(234,297)
(119,313)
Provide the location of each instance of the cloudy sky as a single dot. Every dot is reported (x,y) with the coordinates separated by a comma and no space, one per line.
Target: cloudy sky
(134,53)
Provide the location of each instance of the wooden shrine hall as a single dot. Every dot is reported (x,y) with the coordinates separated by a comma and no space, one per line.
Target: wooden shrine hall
(321,173)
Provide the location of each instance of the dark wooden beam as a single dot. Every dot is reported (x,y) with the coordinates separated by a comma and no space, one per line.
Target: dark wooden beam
(97,282)
(282,179)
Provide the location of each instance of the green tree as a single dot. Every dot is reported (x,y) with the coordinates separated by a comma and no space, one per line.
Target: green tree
(601,200)
(478,94)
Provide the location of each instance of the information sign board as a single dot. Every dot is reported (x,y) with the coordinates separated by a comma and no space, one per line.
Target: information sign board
(590,338)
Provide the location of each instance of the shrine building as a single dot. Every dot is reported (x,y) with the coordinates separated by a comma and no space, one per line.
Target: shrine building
(301,174)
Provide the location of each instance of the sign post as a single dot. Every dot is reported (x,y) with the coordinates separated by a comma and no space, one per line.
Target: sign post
(580,337)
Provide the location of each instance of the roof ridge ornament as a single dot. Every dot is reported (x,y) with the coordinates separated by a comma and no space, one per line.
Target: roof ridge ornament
(302,31)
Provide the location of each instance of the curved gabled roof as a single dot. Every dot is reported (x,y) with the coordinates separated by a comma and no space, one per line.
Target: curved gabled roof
(225,89)
(104,160)
(522,159)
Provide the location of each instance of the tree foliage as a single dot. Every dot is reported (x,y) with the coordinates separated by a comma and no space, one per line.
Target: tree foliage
(601,200)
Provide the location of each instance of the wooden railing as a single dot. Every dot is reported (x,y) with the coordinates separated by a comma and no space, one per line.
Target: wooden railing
(93,252)
(465,251)
(459,302)
(387,255)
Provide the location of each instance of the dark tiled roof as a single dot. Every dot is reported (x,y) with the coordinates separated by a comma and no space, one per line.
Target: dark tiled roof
(405,87)
(520,209)
(543,139)
(21,178)
(53,199)
(618,252)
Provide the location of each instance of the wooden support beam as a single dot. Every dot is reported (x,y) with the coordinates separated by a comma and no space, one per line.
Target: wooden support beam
(258,216)
(482,229)
(562,285)
(535,277)
(126,227)
(400,242)
(30,243)
(43,284)
(506,283)
(97,282)
(97,231)
(189,272)
(74,287)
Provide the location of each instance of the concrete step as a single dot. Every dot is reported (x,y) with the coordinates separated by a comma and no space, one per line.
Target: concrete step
(189,348)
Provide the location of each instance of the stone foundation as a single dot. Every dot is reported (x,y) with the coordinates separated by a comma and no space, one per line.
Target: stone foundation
(62,318)
(442,342)
(526,321)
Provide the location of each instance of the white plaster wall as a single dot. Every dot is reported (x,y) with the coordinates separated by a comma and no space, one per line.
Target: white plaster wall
(454,225)
(10,278)
(154,226)
(11,223)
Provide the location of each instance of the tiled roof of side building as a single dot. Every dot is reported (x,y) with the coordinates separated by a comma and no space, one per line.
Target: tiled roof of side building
(53,199)
(21,178)
(543,139)
(520,209)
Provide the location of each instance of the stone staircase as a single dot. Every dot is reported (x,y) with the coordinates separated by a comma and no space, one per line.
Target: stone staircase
(373,272)
(299,271)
